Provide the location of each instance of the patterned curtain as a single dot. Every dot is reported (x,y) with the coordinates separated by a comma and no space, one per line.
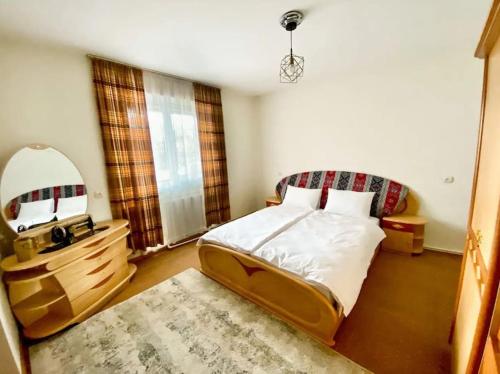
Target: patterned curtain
(213,153)
(128,152)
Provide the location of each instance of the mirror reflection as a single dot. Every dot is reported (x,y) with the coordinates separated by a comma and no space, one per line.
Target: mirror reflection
(40,184)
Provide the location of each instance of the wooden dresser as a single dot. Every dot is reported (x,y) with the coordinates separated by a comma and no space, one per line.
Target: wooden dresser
(54,290)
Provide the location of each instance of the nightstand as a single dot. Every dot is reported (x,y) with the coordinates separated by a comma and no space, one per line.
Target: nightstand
(405,233)
(273,200)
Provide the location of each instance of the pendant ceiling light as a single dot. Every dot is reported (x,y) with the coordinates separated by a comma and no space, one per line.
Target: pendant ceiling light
(292,66)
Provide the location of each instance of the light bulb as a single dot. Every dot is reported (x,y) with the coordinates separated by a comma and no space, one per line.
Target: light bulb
(292,67)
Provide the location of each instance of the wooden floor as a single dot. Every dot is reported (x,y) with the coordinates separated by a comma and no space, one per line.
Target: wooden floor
(399,324)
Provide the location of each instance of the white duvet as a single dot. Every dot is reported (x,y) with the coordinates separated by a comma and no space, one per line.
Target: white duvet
(332,250)
(248,233)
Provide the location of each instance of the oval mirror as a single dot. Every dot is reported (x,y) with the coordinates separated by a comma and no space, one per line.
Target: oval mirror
(40,184)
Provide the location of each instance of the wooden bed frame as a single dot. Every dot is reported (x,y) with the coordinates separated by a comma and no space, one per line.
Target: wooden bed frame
(280,292)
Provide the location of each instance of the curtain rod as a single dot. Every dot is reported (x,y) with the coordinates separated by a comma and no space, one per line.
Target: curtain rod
(91,56)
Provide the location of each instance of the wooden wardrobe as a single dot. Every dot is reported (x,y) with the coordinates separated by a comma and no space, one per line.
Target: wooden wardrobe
(475,331)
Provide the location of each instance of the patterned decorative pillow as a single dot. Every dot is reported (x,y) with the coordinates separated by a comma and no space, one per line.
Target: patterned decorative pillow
(388,194)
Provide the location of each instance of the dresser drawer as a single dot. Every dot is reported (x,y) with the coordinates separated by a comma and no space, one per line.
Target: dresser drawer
(398,240)
(398,226)
(92,295)
(91,270)
(75,256)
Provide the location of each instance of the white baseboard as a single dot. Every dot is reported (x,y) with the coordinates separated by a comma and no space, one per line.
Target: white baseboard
(444,250)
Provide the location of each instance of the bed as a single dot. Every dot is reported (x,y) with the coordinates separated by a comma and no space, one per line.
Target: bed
(256,256)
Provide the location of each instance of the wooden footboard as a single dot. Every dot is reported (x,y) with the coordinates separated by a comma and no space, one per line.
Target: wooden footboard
(281,293)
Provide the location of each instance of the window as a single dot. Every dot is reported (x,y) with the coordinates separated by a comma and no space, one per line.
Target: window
(183,161)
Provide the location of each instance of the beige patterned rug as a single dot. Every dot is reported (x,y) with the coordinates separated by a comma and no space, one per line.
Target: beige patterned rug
(187,324)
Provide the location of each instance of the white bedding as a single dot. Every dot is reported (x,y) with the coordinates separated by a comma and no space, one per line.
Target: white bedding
(332,250)
(15,223)
(248,233)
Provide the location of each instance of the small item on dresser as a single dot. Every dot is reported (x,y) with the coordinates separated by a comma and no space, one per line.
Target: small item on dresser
(405,233)
(58,234)
(273,200)
(52,236)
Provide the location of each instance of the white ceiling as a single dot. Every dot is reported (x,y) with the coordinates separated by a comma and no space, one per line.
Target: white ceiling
(239,44)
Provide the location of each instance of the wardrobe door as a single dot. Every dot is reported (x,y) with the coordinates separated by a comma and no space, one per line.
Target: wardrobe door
(478,287)
(485,204)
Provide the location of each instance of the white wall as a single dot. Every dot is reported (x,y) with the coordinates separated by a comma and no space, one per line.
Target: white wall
(242,144)
(416,124)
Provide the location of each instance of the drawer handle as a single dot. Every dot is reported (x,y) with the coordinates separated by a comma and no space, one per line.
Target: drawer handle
(103,282)
(397,226)
(95,255)
(94,244)
(479,237)
(98,269)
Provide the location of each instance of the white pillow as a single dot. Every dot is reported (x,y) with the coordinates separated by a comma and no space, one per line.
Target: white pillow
(349,203)
(303,197)
(36,210)
(71,206)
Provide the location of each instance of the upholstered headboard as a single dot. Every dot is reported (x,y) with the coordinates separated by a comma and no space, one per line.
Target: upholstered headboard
(55,192)
(389,195)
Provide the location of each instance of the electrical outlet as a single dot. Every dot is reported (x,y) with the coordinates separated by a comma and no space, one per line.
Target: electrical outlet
(98,195)
(449,179)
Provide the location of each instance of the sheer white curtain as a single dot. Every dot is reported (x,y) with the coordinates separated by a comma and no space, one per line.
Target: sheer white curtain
(176,151)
